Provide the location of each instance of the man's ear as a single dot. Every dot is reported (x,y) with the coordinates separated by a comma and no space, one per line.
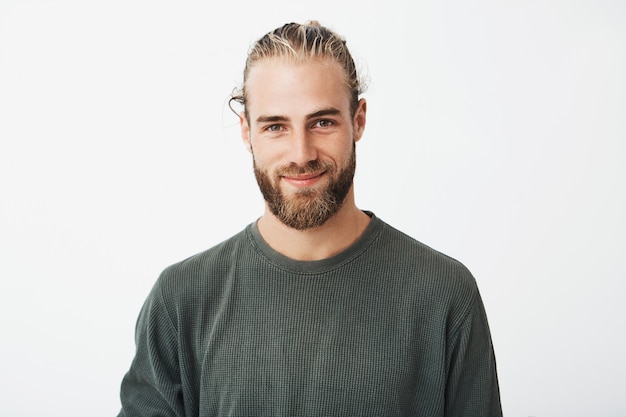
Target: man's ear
(245,131)
(359,119)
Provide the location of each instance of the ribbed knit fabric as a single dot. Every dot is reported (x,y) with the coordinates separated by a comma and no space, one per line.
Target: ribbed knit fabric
(389,327)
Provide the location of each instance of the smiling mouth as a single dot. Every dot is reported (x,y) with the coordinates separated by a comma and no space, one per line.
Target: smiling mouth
(305,180)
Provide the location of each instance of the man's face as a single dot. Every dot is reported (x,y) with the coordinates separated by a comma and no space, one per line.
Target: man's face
(302,138)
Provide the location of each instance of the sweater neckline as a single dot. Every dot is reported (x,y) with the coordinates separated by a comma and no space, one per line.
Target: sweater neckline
(320,266)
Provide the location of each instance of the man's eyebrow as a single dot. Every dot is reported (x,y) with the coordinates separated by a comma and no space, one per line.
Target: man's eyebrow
(331,111)
(270,119)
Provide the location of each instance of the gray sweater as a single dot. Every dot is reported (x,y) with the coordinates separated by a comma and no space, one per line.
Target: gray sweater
(389,327)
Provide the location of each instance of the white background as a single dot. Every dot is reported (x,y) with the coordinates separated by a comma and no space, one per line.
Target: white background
(496,134)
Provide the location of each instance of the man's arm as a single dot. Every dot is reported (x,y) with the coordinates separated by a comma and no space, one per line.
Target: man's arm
(152,386)
(472,388)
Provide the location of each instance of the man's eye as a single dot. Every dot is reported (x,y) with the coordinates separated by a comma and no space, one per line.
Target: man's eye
(323,123)
(274,128)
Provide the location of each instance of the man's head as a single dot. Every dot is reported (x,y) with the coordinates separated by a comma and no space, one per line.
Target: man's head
(302,116)
(299,43)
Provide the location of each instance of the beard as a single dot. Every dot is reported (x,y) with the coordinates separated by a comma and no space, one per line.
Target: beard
(311,207)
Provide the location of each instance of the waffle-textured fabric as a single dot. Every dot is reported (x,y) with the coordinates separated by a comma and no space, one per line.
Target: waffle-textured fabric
(388,327)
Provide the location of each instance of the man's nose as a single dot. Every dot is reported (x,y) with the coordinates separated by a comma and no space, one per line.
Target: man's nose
(303,149)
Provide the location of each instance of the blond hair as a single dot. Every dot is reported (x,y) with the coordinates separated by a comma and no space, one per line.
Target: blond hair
(300,42)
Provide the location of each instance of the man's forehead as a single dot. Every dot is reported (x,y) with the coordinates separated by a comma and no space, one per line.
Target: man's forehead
(280,68)
(279,86)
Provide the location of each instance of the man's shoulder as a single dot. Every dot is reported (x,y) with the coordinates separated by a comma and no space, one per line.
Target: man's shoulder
(411,250)
(417,263)
(213,261)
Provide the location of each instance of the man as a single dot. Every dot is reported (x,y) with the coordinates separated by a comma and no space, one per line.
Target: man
(318,308)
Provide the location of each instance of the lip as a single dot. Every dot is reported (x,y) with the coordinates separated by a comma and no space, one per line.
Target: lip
(306,180)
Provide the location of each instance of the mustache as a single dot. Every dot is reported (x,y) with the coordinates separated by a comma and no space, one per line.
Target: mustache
(311,167)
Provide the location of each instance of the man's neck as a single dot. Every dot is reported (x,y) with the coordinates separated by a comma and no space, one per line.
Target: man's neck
(337,234)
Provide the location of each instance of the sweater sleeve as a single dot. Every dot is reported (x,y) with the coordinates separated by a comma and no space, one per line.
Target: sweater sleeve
(152,386)
(472,387)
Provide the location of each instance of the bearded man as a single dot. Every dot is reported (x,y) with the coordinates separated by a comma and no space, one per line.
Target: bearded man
(318,308)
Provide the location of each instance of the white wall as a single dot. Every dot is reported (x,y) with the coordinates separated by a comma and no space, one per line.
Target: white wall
(495,134)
